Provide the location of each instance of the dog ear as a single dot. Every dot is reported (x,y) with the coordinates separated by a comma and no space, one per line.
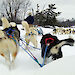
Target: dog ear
(5,23)
(26,26)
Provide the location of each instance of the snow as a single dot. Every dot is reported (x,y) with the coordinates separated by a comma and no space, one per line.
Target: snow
(63,66)
(25,65)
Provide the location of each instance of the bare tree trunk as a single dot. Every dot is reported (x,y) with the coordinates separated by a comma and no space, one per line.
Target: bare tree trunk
(12,8)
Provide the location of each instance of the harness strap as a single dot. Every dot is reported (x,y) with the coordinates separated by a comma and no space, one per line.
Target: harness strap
(9,30)
(44,55)
(30,54)
(28,44)
(31,33)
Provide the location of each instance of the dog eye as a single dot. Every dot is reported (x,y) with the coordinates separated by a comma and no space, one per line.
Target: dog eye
(56,47)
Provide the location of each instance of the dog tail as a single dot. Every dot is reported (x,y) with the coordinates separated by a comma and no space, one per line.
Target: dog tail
(5,22)
(26,26)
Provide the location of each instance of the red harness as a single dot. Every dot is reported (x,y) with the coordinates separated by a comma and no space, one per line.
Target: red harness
(52,40)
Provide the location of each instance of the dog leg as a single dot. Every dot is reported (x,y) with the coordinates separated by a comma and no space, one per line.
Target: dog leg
(11,60)
(34,41)
(13,49)
(6,55)
(8,59)
(14,56)
(27,42)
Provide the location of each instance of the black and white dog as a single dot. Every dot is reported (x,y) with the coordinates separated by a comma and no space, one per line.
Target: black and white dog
(54,46)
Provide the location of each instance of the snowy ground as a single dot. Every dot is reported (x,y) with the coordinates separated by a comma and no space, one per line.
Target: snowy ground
(24,65)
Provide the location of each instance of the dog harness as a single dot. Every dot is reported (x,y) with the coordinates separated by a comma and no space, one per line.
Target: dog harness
(52,40)
(9,31)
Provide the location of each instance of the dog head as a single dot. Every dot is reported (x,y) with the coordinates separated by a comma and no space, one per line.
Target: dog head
(13,24)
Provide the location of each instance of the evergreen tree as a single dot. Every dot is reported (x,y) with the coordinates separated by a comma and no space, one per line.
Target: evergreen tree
(47,16)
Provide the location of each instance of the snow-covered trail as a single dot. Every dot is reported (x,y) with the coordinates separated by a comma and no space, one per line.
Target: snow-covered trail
(25,65)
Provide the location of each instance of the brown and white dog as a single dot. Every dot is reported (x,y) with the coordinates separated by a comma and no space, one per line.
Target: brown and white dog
(30,34)
(7,45)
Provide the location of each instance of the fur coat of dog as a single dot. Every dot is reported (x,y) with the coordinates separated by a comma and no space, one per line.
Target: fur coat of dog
(7,44)
(31,33)
(7,47)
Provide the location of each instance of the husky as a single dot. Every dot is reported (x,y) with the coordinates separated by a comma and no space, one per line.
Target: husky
(30,35)
(7,47)
(54,46)
(7,44)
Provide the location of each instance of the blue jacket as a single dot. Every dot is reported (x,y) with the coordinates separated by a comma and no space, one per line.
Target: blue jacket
(30,19)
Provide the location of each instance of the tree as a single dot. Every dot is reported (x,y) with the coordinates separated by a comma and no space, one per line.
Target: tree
(15,9)
(47,16)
